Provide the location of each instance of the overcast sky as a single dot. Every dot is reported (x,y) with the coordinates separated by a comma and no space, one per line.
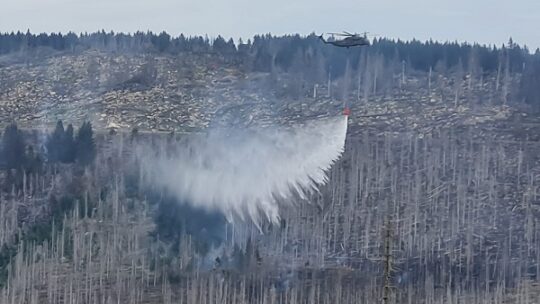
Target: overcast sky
(484,21)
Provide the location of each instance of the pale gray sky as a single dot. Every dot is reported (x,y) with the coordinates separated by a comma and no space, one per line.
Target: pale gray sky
(484,21)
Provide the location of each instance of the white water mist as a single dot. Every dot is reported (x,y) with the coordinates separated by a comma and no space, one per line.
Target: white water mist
(243,173)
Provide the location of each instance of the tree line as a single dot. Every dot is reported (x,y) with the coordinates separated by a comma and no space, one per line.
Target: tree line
(306,57)
(270,51)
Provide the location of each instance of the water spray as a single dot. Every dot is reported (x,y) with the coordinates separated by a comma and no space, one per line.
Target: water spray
(243,173)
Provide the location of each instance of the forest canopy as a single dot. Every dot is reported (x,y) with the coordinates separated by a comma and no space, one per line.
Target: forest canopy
(420,55)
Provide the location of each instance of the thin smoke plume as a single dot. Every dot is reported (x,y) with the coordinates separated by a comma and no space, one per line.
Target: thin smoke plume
(244,173)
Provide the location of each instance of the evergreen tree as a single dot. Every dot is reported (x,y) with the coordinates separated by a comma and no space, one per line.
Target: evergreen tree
(13,148)
(54,143)
(34,163)
(68,155)
(530,83)
(162,42)
(85,145)
(134,133)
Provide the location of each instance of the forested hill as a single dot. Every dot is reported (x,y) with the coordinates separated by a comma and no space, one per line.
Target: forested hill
(420,55)
(434,200)
(301,55)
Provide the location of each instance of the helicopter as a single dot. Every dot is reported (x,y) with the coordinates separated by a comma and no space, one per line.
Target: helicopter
(349,40)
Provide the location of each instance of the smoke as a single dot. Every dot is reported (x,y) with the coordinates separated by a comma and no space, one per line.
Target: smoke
(245,173)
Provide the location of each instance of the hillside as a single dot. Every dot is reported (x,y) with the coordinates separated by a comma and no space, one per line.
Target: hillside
(434,200)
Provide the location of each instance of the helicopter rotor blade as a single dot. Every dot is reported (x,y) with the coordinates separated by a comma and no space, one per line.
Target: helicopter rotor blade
(339,34)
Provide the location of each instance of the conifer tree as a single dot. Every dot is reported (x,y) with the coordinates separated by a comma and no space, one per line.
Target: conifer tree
(85,145)
(13,147)
(34,162)
(54,143)
(68,142)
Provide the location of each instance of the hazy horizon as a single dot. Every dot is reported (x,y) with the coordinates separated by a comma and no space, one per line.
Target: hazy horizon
(491,23)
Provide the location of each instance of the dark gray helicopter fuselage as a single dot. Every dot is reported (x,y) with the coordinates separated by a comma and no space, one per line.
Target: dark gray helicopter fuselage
(348,41)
